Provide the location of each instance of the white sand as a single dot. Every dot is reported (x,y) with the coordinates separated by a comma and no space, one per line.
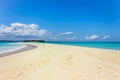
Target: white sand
(59,62)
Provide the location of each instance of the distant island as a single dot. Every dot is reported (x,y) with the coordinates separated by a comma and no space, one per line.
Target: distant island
(33,41)
(22,41)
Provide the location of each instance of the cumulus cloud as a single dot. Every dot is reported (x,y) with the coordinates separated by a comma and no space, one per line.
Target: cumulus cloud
(92,37)
(106,37)
(21,30)
(66,33)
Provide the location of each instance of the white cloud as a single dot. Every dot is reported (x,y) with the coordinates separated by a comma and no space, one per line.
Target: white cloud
(71,38)
(106,37)
(92,37)
(66,33)
(21,30)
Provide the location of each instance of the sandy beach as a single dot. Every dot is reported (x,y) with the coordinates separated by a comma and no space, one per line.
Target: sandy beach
(61,62)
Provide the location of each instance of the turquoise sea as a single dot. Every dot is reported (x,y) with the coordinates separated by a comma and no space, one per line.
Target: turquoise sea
(104,45)
(10,46)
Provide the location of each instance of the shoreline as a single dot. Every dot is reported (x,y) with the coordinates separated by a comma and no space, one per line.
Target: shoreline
(31,46)
(26,48)
(86,46)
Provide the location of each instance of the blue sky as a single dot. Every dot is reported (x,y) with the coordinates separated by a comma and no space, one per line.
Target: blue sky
(81,20)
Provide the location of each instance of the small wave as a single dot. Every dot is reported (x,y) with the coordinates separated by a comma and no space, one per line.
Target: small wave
(13,48)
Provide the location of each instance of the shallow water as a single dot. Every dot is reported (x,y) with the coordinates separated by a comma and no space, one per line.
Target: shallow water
(10,46)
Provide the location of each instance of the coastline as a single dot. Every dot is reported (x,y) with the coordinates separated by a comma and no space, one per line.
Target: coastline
(91,46)
(27,47)
(61,62)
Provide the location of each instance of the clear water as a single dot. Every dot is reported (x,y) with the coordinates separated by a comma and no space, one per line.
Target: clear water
(104,45)
(10,46)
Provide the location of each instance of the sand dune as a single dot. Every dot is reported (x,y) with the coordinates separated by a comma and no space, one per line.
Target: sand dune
(59,62)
